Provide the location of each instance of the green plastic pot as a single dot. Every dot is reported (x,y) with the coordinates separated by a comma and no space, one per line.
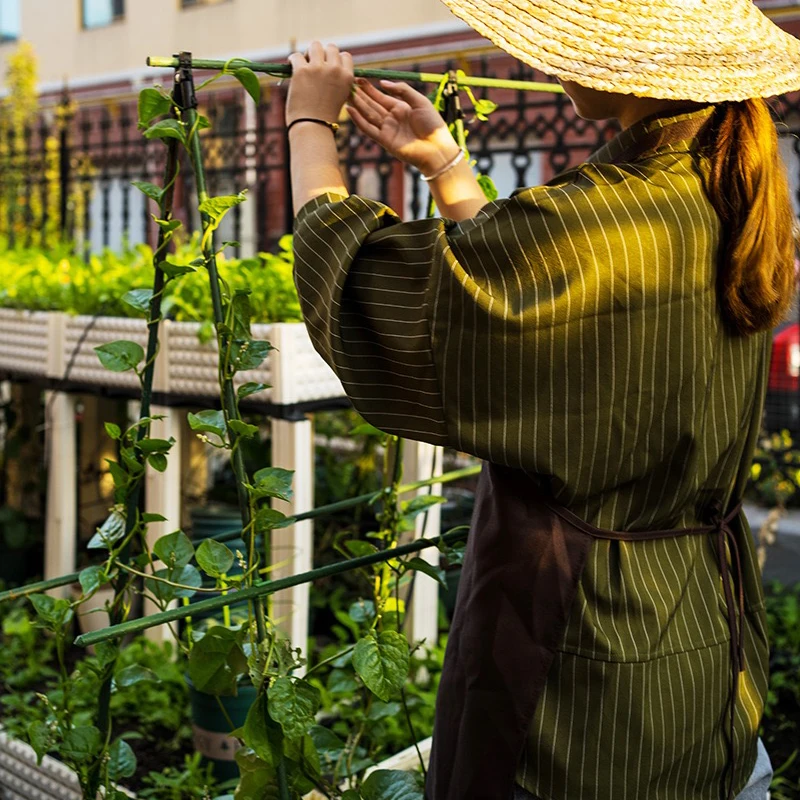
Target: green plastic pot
(211,728)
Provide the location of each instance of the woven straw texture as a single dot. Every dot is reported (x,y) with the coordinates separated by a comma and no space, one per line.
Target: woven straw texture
(701,50)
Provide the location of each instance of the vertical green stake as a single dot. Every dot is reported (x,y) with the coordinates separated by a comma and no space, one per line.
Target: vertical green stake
(185,88)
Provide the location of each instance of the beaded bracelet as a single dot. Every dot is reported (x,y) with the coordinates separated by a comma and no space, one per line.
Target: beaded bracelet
(334,126)
(446,168)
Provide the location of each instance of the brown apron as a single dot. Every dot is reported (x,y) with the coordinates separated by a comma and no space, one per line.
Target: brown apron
(521,571)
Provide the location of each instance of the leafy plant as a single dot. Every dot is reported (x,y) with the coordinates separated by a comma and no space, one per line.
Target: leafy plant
(195,780)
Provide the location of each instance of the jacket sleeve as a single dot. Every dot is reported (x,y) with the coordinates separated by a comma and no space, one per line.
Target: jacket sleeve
(422,320)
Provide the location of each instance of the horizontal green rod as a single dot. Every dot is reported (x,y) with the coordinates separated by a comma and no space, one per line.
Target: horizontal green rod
(352,502)
(332,508)
(285,71)
(261,589)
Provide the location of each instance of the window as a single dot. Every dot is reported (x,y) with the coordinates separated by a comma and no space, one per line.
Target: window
(97,13)
(9,20)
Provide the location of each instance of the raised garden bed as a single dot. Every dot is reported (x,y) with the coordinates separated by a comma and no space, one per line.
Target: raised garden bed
(59,348)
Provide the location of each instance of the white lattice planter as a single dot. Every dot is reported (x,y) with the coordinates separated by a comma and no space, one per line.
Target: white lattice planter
(24,338)
(57,346)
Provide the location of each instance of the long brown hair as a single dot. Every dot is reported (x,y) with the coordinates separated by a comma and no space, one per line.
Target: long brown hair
(748,188)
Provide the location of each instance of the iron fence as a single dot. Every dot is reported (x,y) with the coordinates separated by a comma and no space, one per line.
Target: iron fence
(68,177)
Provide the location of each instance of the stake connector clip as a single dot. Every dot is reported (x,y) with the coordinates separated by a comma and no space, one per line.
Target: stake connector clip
(184,82)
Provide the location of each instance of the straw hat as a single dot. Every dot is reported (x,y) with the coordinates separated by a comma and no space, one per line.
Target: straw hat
(700,50)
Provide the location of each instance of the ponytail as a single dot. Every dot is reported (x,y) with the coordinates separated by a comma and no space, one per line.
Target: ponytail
(748,188)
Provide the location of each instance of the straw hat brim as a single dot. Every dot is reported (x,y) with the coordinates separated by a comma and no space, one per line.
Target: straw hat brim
(697,50)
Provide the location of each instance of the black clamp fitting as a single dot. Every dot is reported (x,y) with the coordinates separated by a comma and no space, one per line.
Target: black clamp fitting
(184,82)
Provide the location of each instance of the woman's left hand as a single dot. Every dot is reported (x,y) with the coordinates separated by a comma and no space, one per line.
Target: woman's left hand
(321,83)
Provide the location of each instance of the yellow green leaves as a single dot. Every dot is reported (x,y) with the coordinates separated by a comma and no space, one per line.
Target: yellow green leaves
(153,103)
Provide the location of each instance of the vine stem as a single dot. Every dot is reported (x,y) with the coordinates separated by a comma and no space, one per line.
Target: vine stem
(184,81)
(116,614)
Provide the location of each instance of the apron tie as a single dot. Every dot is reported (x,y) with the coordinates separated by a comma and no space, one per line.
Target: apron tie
(735,613)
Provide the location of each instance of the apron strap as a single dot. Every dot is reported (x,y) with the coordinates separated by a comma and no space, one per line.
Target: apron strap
(734,607)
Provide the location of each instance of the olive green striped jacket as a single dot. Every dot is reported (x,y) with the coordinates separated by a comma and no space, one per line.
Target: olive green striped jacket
(574,331)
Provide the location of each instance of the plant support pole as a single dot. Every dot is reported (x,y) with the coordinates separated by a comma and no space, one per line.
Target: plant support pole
(263,588)
(285,71)
(332,508)
(188,103)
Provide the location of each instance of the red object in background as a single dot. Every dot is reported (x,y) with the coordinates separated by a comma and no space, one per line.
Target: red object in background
(784,370)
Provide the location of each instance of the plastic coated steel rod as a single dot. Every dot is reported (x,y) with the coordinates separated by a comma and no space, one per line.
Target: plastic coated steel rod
(285,71)
(332,508)
(261,589)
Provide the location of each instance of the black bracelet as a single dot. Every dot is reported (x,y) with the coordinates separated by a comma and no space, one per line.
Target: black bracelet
(334,126)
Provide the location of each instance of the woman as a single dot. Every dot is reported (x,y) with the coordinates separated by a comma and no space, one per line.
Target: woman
(602,342)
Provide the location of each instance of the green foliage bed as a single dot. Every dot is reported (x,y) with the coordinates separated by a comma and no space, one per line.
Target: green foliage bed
(59,280)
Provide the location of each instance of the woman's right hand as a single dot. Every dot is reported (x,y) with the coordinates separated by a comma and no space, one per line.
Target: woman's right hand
(403,122)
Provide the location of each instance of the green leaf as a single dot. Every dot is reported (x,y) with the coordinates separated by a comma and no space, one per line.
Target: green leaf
(483,108)
(186,575)
(249,354)
(91,579)
(166,129)
(149,446)
(80,744)
(421,503)
(341,682)
(421,565)
(39,737)
(273,482)
(54,612)
(246,389)
(114,431)
(139,299)
(240,308)
(106,652)
(382,662)
(120,356)
(112,530)
(243,429)
(152,104)
(121,760)
(392,784)
(214,558)
(174,549)
(293,704)
(167,225)
(215,208)
(208,421)
(150,189)
(174,270)
(249,81)
(134,674)
(362,611)
(216,661)
(365,429)
(150,516)
(357,548)
(487,186)
(384,710)
(261,733)
(268,519)
(158,461)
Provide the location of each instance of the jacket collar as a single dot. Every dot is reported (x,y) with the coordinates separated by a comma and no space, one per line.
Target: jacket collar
(652,134)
